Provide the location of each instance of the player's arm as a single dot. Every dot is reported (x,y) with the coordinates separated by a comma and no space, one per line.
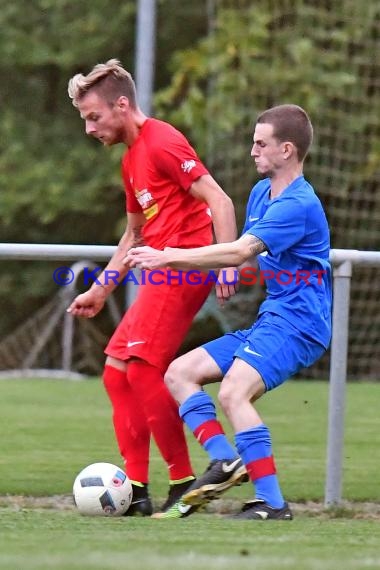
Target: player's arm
(132,237)
(88,304)
(206,189)
(218,255)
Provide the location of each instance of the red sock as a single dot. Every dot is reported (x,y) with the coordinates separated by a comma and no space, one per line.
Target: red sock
(131,428)
(161,411)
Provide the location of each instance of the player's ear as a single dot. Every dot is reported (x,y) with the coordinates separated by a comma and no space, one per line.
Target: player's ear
(288,149)
(122,103)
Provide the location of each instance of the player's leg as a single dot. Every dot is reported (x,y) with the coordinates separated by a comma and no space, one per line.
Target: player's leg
(242,385)
(132,434)
(273,351)
(185,378)
(160,322)
(161,412)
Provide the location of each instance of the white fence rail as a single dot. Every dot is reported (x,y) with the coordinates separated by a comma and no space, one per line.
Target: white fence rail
(343,262)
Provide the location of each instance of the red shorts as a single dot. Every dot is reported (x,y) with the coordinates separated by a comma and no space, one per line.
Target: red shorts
(155,325)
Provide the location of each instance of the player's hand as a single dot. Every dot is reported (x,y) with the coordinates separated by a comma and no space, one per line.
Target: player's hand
(145,257)
(228,284)
(88,304)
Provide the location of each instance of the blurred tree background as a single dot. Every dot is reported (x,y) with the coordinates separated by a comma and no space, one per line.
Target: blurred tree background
(218,63)
(57,185)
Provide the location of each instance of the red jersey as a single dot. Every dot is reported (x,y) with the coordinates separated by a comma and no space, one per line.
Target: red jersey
(158,170)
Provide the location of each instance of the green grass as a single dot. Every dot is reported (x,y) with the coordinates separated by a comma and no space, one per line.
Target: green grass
(65,541)
(52,429)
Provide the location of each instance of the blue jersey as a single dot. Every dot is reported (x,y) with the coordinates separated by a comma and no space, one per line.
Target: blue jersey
(296,266)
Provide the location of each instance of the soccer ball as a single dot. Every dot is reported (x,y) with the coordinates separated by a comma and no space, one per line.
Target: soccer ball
(102,489)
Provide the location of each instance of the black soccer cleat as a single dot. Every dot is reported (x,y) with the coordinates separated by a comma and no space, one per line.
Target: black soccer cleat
(257,509)
(174,508)
(141,505)
(176,490)
(219,476)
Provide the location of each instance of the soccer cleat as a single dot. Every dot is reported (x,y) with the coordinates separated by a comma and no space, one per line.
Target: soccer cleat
(173,508)
(219,476)
(141,505)
(177,511)
(176,490)
(257,509)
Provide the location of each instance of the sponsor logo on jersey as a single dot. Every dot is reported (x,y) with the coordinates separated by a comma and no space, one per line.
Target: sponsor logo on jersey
(188,165)
(147,203)
(144,198)
(150,212)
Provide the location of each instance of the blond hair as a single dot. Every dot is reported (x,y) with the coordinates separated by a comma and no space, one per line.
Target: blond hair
(110,81)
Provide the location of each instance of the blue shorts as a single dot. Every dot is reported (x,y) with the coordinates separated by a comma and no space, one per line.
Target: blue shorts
(272,346)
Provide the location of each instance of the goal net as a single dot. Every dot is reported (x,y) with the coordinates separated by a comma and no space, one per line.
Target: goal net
(324,56)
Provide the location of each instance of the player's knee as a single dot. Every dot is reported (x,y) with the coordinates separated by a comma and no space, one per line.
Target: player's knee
(114,380)
(174,375)
(226,398)
(229,397)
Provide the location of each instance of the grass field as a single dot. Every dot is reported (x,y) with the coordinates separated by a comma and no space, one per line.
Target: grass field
(51,429)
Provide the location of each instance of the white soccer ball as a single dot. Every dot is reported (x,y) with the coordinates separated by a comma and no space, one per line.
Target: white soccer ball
(102,489)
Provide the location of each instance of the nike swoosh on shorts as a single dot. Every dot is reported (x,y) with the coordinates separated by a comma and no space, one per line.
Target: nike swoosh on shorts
(247,349)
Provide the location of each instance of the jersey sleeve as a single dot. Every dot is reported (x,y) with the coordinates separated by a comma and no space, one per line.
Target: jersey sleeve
(176,159)
(131,203)
(247,223)
(283,225)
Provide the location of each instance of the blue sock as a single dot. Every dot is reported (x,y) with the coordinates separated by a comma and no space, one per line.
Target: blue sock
(199,414)
(255,448)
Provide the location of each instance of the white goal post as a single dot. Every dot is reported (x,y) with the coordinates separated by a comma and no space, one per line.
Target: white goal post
(342,261)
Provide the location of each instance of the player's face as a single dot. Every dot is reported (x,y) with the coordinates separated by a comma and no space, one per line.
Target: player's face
(267,151)
(103,122)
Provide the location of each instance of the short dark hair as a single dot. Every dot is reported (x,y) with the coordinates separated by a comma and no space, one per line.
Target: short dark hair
(290,123)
